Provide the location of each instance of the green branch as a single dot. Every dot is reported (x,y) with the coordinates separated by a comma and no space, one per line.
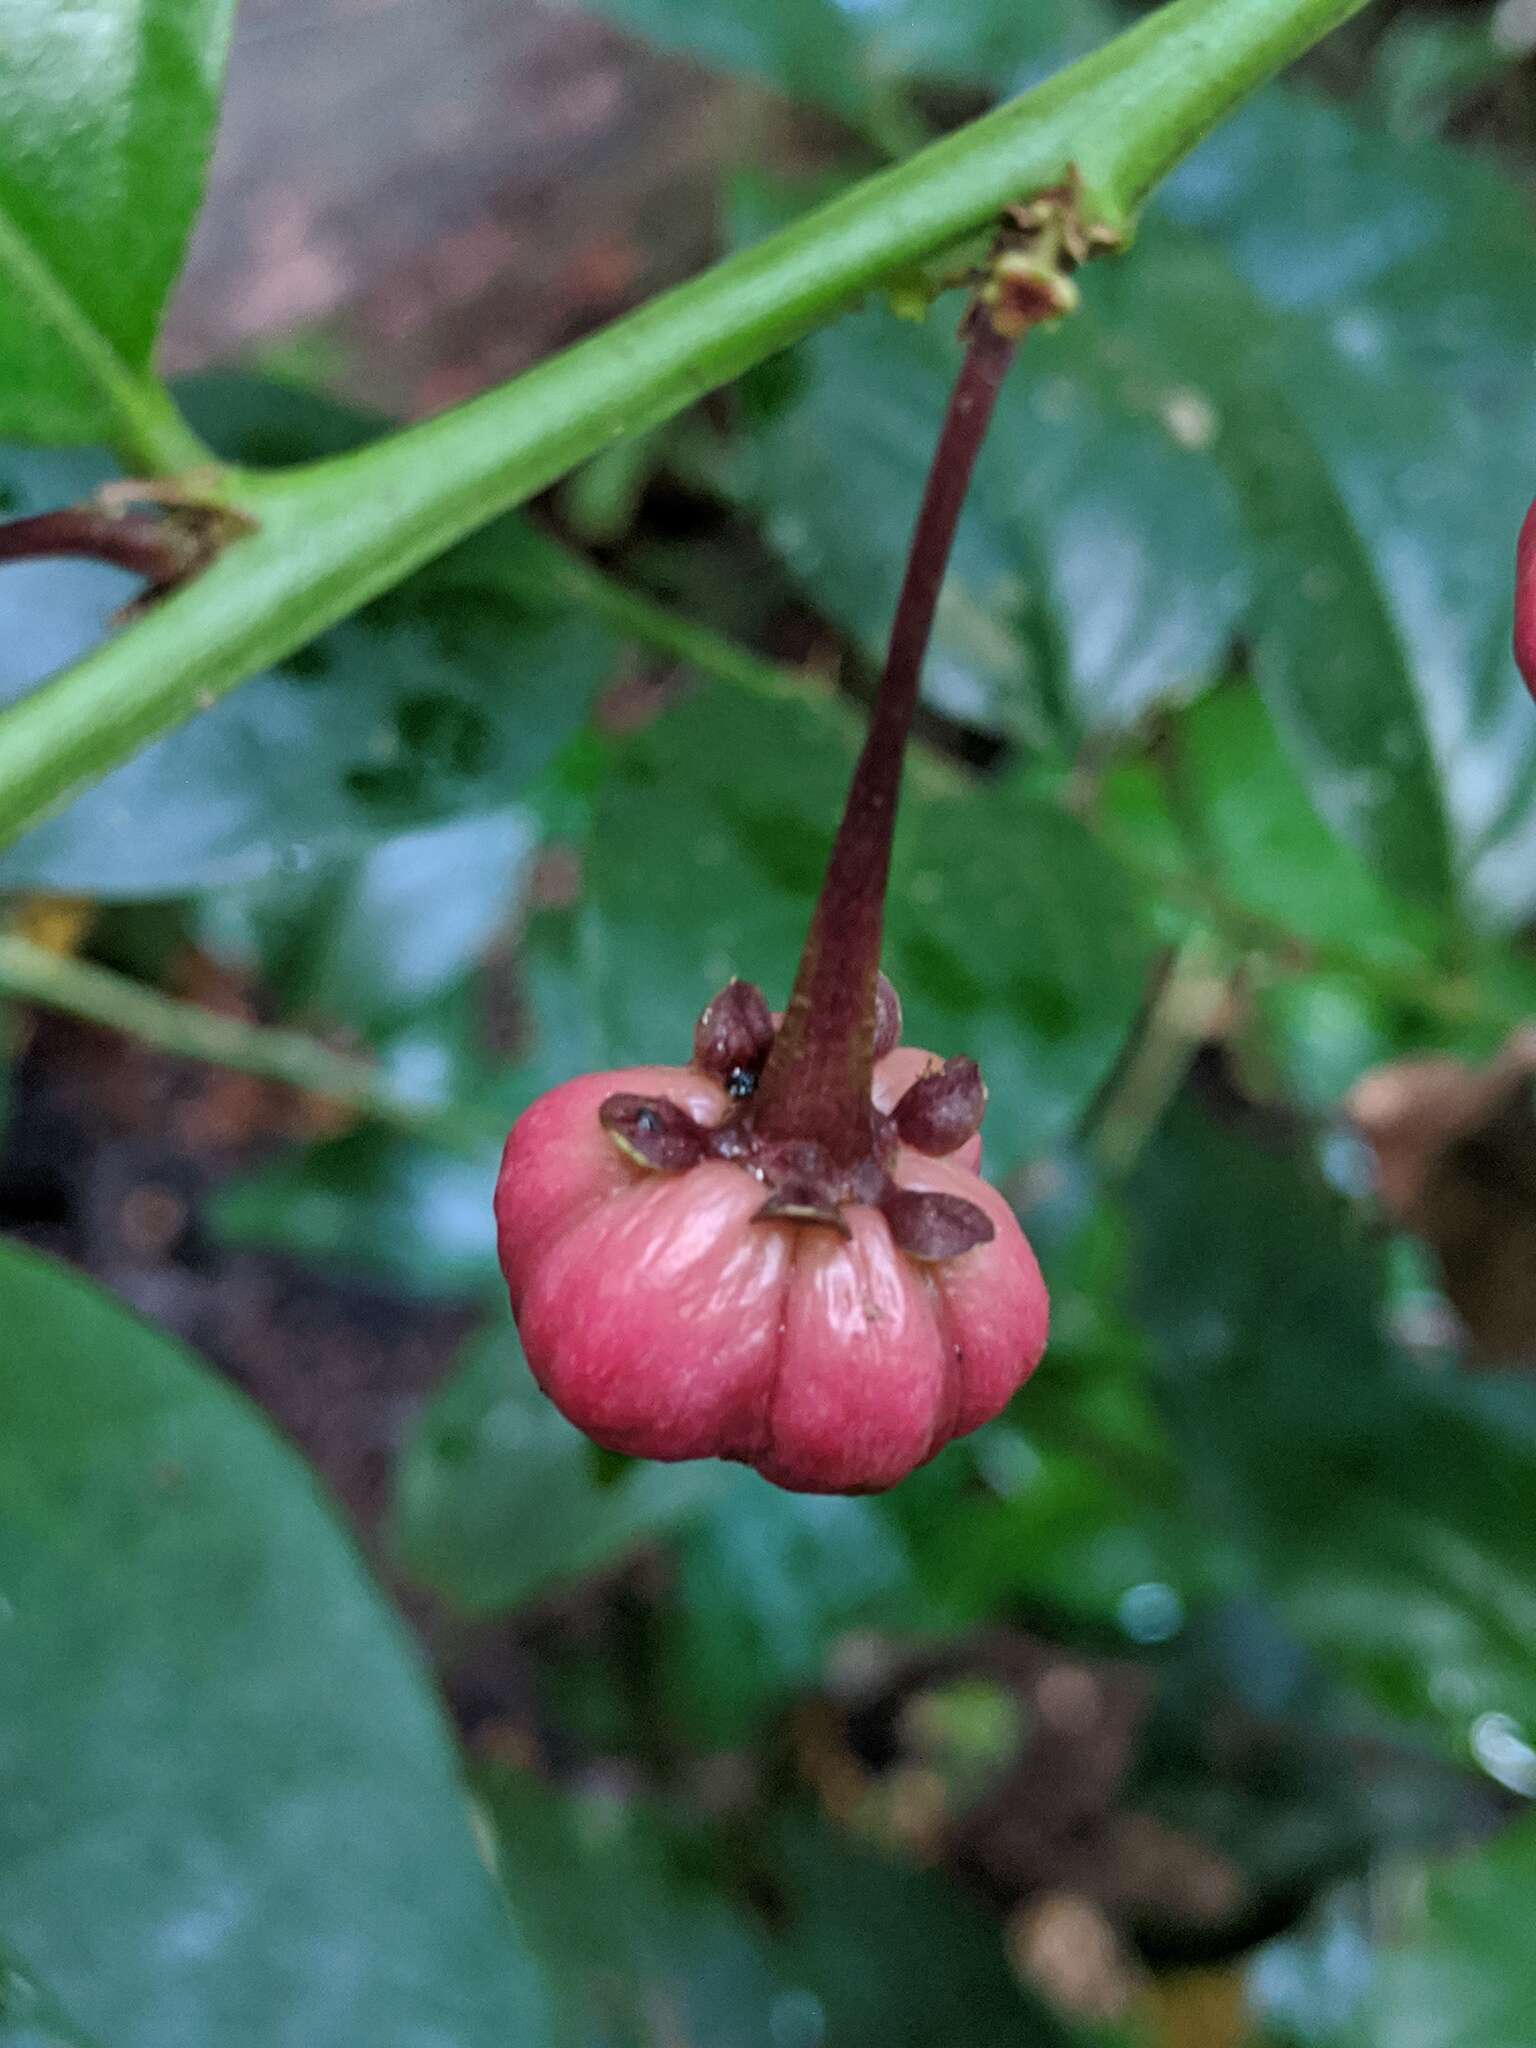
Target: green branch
(634,616)
(337,533)
(53,981)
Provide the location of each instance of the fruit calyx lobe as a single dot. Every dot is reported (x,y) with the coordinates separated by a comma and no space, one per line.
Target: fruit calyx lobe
(803,1182)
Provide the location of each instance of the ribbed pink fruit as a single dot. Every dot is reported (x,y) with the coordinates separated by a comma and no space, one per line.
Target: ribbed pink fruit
(665,1322)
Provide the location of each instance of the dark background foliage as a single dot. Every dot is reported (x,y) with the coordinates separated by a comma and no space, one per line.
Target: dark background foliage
(1192,1702)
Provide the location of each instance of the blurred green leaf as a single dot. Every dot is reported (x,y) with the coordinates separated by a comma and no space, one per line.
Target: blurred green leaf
(1423,68)
(231,1810)
(1253,830)
(1301,412)
(417,1210)
(1458,1969)
(991,43)
(807,48)
(706,854)
(29,2016)
(1099,566)
(675,1962)
(399,1209)
(766,1583)
(1367,361)
(845,58)
(448,697)
(372,938)
(106,119)
(1437,1955)
(1383,1507)
(499,1497)
(848,1913)
(858,1952)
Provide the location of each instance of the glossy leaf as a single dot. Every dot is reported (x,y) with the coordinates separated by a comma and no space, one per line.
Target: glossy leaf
(1384,1509)
(106,120)
(373,938)
(1223,814)
(1258,838)
(1099,566)
(1301,412)
(375,1204)
(449,696)
(675,1953)
(766,1583)
(232,1812)
(499,1500)
(1369,364)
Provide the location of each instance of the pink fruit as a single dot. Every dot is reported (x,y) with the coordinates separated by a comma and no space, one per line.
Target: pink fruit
(666,1317)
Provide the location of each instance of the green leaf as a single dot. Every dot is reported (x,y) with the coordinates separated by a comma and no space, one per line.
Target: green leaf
(1367,359)
(1299,411)
(766,1583)
(1259,839)
(1422,70)
(1222,810)
(449,696)
(1383,1508)
(1457,1970)
(29,2015)
(232,1814)
(993,43)
(414,1211)
(106,118)
(373,938)
(843,57)
(848,1912)
(807,48)
(683,1961)
(499,1497)
(1099,565)
(706,855)
(676,1960)
(404,1210)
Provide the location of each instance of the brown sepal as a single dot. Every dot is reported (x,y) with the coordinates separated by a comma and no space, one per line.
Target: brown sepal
(925,1225)
(941,1110)
(653,1132)
(734,1036)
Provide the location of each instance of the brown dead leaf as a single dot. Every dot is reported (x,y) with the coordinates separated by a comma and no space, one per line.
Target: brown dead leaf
(1455,1153)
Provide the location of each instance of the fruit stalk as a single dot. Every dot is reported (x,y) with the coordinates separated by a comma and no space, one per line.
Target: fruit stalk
(817,1080)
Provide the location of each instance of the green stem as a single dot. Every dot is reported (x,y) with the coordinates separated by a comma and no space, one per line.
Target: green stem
(634,616)
(337,533)
(642,619)
(33,974)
